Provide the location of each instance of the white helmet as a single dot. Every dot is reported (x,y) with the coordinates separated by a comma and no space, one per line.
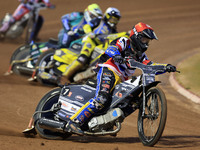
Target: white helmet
(92,13)
(112,16)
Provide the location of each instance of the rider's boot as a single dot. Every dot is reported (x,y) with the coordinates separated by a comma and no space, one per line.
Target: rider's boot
(4,27)
(73,127)
(84,113)
(38,26)
(7,24)
(71,70)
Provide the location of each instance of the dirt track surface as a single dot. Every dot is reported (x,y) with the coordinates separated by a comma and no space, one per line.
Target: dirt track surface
(177,26)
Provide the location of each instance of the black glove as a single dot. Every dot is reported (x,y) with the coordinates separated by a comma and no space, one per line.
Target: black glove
(170,68)
(118,58)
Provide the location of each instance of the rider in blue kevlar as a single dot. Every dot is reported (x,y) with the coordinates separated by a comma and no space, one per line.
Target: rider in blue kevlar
(74,22)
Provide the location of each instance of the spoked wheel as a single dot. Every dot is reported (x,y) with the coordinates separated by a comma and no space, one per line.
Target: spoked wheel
(45,104)
(44,65)
(152,124)
(2,36)
(21,49)
(20,54)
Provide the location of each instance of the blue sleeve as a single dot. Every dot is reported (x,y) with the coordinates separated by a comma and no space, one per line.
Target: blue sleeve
(112,51)
(66,19)
(65,22)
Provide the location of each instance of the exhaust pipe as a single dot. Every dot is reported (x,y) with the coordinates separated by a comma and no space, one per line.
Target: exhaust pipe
(52,125)
(25,70)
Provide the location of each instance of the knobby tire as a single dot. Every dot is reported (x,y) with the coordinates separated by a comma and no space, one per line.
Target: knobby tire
(157,107)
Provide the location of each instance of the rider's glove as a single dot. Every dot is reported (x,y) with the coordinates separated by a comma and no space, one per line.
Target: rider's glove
(118,58)
(91,35)
(170,68)
(73,32)
(70,33)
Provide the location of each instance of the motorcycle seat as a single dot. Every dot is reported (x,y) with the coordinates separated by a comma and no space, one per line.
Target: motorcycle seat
(92,83)
(53,41)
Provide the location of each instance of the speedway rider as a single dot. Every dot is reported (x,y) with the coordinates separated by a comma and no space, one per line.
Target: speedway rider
(24,8)
(107,25)
(74,22)
(112,71)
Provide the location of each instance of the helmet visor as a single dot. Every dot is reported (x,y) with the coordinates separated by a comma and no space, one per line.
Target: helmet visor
(92,16)
(149,34)
(113,20)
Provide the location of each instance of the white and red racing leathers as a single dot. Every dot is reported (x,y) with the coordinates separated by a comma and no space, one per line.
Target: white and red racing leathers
(25,8)
(122,44)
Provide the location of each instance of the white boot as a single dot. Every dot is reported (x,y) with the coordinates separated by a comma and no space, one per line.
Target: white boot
(8,20)
(4,27)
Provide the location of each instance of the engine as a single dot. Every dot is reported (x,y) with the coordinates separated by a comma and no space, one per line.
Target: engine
(107,121)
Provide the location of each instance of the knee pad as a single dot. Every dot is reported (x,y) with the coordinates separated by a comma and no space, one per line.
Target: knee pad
(83,59)
(103,98)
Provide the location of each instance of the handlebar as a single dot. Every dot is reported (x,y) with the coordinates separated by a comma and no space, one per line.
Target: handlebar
(147,69)
(35,5)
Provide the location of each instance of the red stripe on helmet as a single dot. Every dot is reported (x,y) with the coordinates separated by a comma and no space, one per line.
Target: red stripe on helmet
(140,27)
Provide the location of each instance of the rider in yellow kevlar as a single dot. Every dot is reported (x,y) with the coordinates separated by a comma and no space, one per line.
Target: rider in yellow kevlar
(92,39)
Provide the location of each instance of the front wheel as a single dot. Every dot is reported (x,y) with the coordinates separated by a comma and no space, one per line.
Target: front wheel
(152,124)
(45,65)
(45,104)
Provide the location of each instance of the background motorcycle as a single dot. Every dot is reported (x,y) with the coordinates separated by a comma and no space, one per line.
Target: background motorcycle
(51,64)
(141,92)
(27,23)
(30,58)
(24,58)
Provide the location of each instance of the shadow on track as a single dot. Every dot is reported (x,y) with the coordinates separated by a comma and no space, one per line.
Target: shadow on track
(10,132)
(179,141)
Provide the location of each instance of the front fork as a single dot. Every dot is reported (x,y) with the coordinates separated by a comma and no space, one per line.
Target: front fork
(144,101)
(145,88)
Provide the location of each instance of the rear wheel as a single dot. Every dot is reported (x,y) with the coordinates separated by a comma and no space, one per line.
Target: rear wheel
(22,53)
(152,124)
(45,104)
(2,36)
(19,50)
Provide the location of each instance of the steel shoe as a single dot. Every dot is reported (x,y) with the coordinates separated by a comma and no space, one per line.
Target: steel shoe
(73,127)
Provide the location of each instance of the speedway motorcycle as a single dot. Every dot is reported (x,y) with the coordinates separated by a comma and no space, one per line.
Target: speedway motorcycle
(40,60)
(30,58)
(26,23)
(24,58)
(51,64)
(140,92)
